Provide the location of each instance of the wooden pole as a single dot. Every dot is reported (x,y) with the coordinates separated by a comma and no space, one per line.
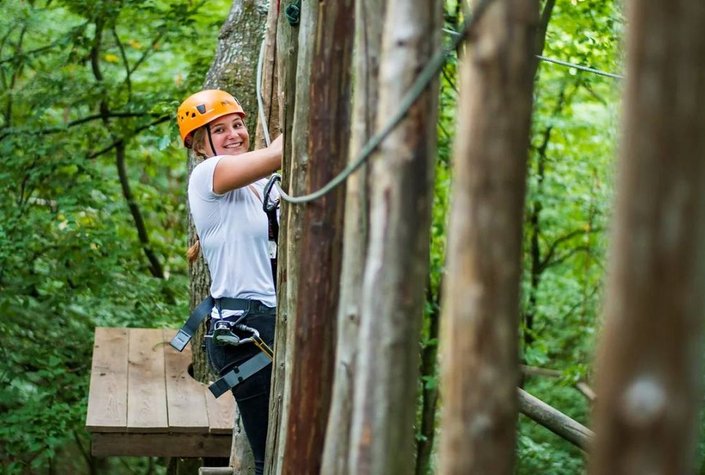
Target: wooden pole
(310,358)
(481,294)
(649,384)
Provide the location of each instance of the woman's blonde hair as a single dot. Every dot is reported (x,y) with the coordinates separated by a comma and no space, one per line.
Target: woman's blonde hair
(192,253)
(198,142)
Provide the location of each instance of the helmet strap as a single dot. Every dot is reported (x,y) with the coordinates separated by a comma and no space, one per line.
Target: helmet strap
(210,139)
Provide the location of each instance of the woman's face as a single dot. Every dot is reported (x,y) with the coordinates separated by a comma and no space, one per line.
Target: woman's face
(229,136)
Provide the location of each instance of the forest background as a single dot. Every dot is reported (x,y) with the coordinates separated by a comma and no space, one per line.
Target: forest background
(93,217)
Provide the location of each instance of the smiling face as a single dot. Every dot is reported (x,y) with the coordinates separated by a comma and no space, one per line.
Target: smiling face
(230,137)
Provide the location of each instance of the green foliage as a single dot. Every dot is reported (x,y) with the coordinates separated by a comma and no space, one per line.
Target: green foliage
(77,78)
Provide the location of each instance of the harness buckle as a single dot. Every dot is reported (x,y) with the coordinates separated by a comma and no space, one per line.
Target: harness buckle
(180,341)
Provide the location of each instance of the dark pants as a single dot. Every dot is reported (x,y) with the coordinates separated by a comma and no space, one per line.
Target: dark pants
(252,395)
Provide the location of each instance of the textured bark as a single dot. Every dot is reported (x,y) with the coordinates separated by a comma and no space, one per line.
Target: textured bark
(268,77)
(649,363)
(234,70)
(382,437)
(481,293)
(294,171)
(287,40)
(327,131)
(368,47)
(429,393)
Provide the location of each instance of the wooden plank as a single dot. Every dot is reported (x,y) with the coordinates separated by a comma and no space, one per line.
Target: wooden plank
(221,412)
(107,396)
(146,388)
(160,445)
(185,400)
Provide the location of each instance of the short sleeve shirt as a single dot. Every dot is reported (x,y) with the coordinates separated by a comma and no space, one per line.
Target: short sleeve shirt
(233,230)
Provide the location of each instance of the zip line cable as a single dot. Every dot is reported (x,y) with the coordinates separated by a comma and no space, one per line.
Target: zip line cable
(558,61)
(432,68)
(579,67)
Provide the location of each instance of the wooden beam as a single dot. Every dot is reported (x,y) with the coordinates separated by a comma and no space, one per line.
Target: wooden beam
(160,445)
(554,420)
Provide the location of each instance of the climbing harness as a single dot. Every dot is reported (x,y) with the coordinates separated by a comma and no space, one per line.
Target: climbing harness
(227,332)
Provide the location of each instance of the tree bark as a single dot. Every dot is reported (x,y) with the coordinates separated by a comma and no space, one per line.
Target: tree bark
(287,54)
(649,384)
(481,294)
(429,393)
(368,46)
(296,119)
(328,127)
(234,69)
(382,437)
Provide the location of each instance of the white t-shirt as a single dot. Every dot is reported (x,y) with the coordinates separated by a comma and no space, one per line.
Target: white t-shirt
(233,230)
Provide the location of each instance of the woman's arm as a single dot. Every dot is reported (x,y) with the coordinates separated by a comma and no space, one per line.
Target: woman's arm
(236,171)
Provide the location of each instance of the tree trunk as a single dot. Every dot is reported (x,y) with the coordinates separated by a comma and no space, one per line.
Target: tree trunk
(327,134)
(296,119)
(286,56)
(649,363)
(234,69)
(382,437)
(429,393)
(269,116)
(481,295)
(368,46)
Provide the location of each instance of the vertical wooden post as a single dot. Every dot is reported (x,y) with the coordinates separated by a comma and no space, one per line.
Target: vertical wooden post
(401,185)
(369,16)
(310,350)
(480,306)
(649,364)
(286,54)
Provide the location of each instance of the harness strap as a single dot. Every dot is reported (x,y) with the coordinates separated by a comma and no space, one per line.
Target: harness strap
(184,335)
(186,332)
(239,373)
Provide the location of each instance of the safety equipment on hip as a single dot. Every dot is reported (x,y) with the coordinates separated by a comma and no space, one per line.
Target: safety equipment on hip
(232,333)
(202,108)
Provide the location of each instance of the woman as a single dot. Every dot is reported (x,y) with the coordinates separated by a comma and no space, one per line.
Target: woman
(225,196)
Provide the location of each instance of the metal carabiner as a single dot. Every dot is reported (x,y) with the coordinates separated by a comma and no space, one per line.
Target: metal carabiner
(257,340)
(266,206)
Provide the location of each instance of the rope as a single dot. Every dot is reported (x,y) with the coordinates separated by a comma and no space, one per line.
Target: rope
(432,68)
(260,99)
(293,12)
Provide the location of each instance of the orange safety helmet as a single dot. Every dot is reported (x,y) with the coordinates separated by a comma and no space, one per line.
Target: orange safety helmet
(202,108)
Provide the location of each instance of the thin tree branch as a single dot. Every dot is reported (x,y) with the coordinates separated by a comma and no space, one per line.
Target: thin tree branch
(155,267)
(125,62)
(53,130)
(127,137)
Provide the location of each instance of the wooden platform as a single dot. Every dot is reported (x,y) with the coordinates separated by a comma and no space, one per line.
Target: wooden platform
(143,402)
